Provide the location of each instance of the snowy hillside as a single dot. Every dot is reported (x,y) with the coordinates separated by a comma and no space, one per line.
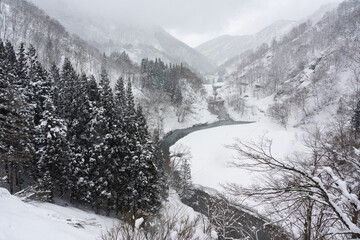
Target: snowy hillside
(213,157)
(21,21)
(307,73)
(225,48)
(21,220)
(138,40)
(47,221)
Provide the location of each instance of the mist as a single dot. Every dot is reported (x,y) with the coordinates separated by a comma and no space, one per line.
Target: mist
(191,21)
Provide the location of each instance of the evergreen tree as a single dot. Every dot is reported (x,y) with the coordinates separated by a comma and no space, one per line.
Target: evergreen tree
(92,154)
(161,77)
(88,143)
(160,164)
(15,149)
(106,148)
(356,119)
(120,98)
(52,154)
(54,76)
(68,77)
(21,67)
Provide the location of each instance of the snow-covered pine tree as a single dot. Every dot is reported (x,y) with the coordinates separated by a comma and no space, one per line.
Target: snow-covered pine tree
(52,151)
(21,66)
(54,75)
(50,143)
(356,119)
(120,98)
(130,114)
(79,141)
(159,161)
(143,190)
(106,147)
(92,155)
(68,77)
(15,150)
(142,131)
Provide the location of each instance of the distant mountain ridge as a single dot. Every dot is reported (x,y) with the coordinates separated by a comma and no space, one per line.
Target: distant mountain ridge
(311,74)
(224,48)
(139,41)
(22,21)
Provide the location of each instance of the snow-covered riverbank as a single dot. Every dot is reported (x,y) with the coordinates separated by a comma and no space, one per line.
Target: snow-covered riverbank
(211,156)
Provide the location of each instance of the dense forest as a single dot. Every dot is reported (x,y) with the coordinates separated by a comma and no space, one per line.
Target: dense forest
(66,135)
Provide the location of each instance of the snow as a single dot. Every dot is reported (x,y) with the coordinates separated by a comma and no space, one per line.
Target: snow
(36,221)
(175,208)
(138,222)
(200,115)
(42,221)
(211,158)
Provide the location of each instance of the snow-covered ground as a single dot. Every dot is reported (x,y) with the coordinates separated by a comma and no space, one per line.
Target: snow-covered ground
(42,221)
(21,220)
(200,115)
(211,156)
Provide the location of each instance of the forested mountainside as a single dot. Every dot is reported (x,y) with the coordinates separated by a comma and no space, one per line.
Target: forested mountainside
(227,51)
(310,71)
(226,47)
(65,135)
(22,21)
(83,128)
(138,40)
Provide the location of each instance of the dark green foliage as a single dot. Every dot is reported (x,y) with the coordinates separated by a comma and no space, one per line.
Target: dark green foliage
(15,118)
(158,76)
(84,142)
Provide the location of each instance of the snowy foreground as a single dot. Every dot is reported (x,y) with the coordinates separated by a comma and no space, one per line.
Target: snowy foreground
(43,221)
(211,157)
(36,221)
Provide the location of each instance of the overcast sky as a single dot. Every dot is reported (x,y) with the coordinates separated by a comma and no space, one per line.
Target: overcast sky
(194,21)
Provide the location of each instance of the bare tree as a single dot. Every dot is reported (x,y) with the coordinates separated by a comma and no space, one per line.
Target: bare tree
(167,225)
(280,112)
(180,170)
(312,193)
(157,107)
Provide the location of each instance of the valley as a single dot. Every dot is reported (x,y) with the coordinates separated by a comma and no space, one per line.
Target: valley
(111,128)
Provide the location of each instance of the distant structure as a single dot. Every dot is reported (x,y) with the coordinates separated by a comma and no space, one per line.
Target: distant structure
(215,102)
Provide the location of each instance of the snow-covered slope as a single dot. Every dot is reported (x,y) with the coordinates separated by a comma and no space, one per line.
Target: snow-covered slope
(22,21)
(226,47)
(138,40)
(311,75)
(35,221)
(21,220)
(213,158)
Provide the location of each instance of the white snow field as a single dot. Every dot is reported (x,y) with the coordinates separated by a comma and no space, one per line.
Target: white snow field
(211,156)
(43,221)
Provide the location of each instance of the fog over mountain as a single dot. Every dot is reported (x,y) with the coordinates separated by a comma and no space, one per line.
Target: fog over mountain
(192,22)
(113,126)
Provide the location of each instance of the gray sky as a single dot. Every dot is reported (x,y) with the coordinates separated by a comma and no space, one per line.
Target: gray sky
(194,21)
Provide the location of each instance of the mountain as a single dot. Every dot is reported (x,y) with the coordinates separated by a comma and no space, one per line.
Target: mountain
(226,47)
(22,21)
(138,40)
(310,75)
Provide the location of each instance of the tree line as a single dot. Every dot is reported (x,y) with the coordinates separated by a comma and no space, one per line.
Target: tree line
(156,75)
(73,137)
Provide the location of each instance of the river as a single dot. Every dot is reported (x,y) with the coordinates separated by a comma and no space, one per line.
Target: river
(200,200)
